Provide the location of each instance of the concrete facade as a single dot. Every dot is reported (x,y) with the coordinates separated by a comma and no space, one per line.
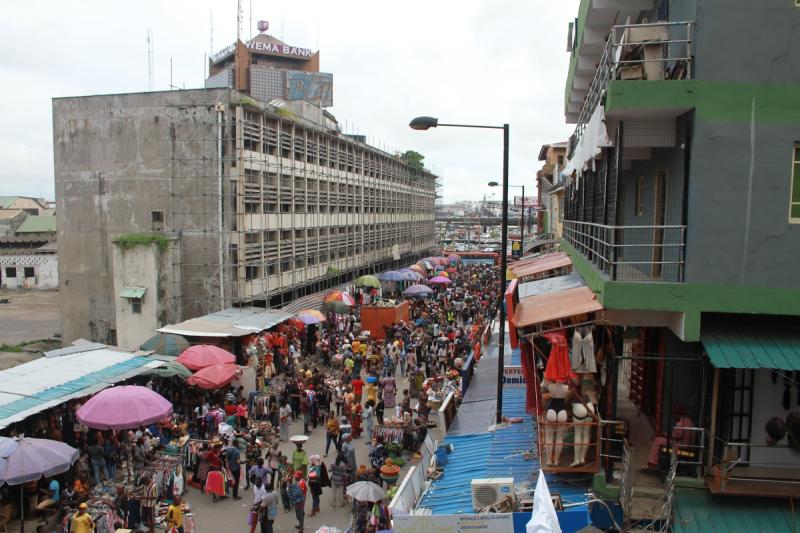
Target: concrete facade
(145,266)
(288,203)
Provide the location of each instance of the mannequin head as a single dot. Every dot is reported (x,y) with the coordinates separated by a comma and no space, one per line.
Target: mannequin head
(776,430)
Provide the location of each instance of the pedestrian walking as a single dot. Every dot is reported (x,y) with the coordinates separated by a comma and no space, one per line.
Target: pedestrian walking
(297,497)
(369,418)
(340,473)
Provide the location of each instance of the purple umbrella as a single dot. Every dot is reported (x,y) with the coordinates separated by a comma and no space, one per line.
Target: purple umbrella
(125,407)
(23,459)
(440,279)
(391,275)
(418,290)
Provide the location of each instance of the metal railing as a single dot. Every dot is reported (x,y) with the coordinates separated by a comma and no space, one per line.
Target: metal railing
(730,466)
(631,253)
(625,50)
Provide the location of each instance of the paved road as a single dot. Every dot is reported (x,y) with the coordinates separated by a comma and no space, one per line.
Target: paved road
(231,516)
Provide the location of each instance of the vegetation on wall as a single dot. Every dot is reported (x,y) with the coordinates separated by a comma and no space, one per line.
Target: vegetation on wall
(332,271)
(132,240)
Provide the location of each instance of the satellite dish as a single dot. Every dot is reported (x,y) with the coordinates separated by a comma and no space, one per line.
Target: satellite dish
(263,25)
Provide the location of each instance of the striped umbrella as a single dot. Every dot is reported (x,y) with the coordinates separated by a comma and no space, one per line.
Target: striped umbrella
(338,302)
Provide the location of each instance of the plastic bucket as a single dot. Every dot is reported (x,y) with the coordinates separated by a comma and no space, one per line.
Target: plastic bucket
(441,456)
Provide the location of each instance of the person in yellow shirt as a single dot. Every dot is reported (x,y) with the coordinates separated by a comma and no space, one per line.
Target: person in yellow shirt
(175,515)
(82,521)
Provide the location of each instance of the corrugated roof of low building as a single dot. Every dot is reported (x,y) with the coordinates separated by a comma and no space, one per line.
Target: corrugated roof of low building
(38,224)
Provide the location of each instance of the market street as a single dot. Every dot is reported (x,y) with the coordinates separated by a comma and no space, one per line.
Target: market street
(231,515)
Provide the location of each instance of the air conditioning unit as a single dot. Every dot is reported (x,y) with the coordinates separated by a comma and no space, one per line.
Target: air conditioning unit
(486,492)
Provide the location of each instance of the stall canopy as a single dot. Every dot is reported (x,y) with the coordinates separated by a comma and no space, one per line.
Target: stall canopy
(32,387)
(540,264)
(743,346)
(544,286)
(555,306)
(231,322)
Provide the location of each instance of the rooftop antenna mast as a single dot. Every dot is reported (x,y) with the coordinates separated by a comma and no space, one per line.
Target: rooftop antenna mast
(210,32)
(149,59)
(238,20)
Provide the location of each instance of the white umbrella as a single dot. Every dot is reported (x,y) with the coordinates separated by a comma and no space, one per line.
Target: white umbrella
(543,518)
(366,491)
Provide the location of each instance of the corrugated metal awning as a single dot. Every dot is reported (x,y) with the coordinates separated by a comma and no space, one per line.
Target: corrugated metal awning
(544,286)
(742,346)
(555,306)
(32,387)
(232,322)
(541,264)
(133,292)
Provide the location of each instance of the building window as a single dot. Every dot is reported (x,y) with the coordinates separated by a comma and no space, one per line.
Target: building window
(11,272)
(794,203)
(157,220)
(251,272)
(638,205)
(136,305)
(29,272)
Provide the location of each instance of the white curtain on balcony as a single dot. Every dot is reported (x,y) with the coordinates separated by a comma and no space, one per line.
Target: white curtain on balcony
(592,140)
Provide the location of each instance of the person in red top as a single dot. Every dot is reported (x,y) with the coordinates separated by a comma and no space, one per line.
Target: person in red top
(355,420)
(230,409)
(358,388)
(241,413)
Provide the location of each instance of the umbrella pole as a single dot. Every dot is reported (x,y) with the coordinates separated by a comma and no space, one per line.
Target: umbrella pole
(21,509)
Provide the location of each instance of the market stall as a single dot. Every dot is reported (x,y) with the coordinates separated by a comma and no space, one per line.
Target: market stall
(375,318)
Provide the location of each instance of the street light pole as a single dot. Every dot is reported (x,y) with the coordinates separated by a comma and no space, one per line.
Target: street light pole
(424,123)
(522,225)
(501,336)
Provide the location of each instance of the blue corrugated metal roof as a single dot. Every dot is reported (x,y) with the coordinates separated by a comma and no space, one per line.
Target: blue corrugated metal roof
(516,358)
(487,455)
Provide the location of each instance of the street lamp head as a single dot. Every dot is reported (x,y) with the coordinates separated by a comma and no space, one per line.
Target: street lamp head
(493,184)
(423,123)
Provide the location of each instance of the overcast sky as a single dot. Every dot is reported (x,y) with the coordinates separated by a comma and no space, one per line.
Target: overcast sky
(464,61)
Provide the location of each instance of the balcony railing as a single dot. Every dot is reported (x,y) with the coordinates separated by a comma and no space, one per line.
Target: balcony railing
(631,253)
(654,51)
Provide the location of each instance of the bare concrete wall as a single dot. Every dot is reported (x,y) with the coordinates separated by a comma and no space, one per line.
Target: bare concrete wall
(114,164)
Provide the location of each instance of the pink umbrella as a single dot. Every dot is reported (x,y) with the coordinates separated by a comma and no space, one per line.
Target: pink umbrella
(126,407)
(204,355)
(214,376)
(440,279)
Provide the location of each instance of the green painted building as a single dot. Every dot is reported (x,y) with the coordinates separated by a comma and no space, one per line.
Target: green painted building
(683,214)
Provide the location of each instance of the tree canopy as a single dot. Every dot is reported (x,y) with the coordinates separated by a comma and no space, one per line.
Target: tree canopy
(413,159)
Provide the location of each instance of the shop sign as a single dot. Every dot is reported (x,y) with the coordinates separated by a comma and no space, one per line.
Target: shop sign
(461,523)
(267,48)
(513,377)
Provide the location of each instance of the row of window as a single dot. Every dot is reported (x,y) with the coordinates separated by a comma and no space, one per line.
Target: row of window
(271,135)
(27,272)
(257,269)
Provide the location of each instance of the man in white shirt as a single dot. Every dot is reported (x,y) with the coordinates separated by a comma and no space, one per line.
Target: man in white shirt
(259,497)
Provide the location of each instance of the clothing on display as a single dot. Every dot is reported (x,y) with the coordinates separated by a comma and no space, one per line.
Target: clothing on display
(559,367)
(582,354)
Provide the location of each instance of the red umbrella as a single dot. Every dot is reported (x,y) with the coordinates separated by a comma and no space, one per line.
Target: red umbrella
(214,376)
(452,270)
(204,355)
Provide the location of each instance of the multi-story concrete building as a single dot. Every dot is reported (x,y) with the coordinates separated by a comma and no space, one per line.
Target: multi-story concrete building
(681,216)
(174,204)
(550,189)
